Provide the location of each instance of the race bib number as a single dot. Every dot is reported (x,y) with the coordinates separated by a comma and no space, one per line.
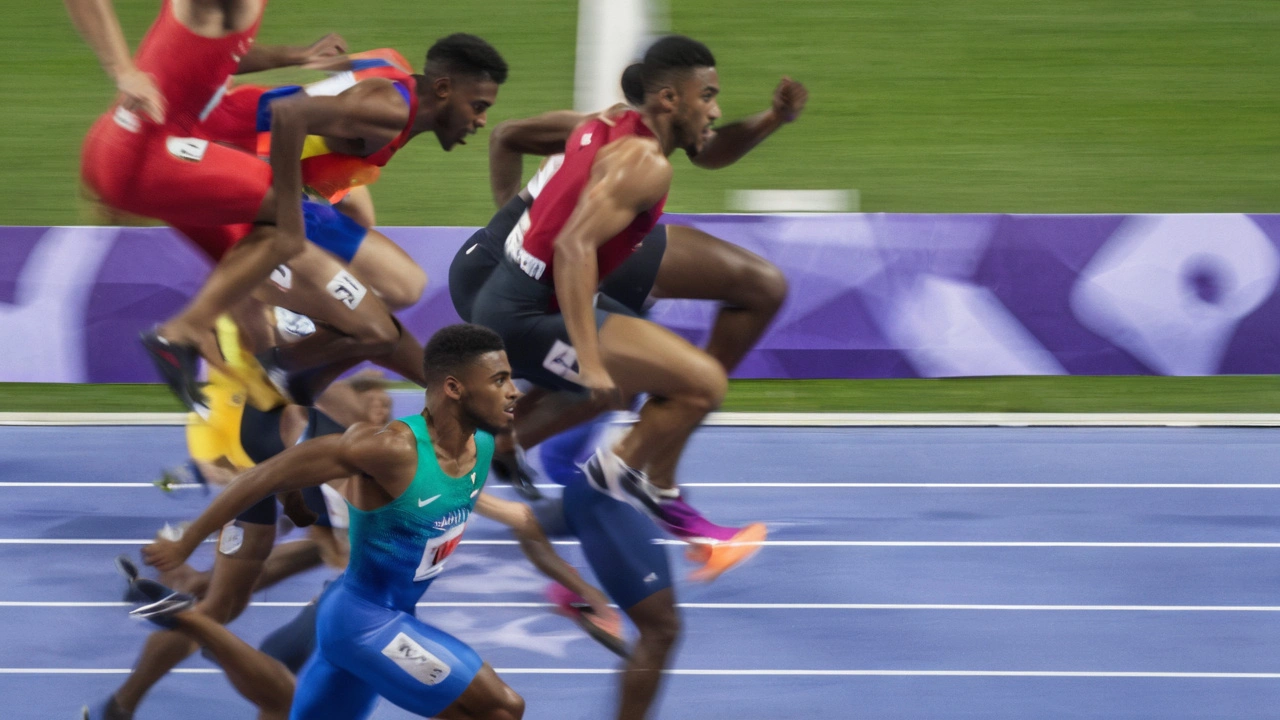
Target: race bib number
(514,247)
(346,288)
(416,660)
(282,276)
(562,360)
(437,551)
(190,149)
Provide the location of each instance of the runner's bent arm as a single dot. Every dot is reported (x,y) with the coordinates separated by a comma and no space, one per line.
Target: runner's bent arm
(628,177)
(536,546)
(361,450)
(511,140)
(97,23)
(372,112)
(736,139)
(270,57)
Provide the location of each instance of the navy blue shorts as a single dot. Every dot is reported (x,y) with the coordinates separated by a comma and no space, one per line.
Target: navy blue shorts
(365,650)
(620,543)
(479,255)
(515,306)
(261,440)
(630,284)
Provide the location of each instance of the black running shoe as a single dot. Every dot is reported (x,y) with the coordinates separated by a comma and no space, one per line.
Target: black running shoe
(513,470)
(177,365)
(164,603)
(129,571)
(146,590)
(269,359)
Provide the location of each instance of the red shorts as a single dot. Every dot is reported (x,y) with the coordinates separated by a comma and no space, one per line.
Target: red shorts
(235,120)
(158,173)
(215,240)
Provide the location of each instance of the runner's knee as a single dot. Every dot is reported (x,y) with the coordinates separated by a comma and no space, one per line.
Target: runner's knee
(770,284)
(375,328)
(509,706)
(708,384)
(757,284)
(285,247)
(661,631)
(404,287)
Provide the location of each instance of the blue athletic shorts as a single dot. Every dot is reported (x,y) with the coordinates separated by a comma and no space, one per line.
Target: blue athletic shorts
(332,230)
(619,542)
(365,650)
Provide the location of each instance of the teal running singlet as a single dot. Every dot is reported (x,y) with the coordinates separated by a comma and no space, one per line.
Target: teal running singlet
(398,549)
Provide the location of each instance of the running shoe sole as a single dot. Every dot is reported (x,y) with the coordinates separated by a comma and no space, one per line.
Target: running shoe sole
(162,612)
(581,614)
(177,365)
(718,558)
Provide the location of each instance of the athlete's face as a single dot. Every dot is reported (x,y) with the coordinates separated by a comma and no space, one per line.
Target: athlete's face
(465,109)
(487,394)
(697,109)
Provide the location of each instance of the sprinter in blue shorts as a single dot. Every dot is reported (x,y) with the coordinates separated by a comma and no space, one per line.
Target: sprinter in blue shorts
(411,487)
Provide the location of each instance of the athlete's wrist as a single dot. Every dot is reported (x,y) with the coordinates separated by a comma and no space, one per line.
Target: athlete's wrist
(774,119)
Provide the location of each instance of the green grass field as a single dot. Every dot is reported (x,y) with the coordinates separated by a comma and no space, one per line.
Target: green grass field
(1230,394)
(986,105)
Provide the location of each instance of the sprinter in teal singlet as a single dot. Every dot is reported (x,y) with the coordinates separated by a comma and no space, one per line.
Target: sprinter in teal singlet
(411,487)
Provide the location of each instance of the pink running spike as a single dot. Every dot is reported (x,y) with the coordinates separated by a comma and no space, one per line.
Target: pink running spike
(683,521)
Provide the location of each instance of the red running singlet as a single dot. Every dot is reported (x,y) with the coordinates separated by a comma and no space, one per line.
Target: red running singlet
(531,243)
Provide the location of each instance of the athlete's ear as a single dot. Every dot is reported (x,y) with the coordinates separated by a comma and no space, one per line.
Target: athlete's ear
(668,98)
(442,87)
(453,388)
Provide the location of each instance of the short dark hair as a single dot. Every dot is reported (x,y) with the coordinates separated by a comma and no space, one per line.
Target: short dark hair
(465,54)
(456,346)
(633,83)
(671,56)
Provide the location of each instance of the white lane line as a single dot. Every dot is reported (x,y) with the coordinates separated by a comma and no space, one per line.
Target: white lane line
(761,672)
(975,485)
(792,419)
(97,485)
(785,485)
(743,606)
(795,543)
(75,541)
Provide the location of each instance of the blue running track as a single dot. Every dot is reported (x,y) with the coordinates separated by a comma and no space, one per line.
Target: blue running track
(911,573)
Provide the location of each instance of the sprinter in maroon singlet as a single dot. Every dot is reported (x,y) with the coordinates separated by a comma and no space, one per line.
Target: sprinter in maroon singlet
(588,219)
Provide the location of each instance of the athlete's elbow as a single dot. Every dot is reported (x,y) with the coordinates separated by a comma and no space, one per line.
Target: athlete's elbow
(526,528)
(500,136)
(706,162)
(287,120)
(572,251)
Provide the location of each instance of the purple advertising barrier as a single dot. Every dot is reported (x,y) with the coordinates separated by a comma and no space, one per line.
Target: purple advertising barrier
(871,296)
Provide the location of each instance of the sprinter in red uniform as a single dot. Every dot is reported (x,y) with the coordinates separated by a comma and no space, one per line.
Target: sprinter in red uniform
(162,166)
(588,219)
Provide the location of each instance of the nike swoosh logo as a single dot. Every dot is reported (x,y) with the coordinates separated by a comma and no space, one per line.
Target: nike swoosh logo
(428,501)
(473,247)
